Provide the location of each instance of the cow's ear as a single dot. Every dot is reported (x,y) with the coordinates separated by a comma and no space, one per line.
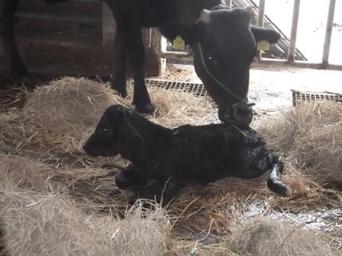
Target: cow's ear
(262,34)
(196,31)
(205,16)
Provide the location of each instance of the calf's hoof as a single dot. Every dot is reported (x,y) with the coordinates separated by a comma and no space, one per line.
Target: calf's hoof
(145,108)
(279,188)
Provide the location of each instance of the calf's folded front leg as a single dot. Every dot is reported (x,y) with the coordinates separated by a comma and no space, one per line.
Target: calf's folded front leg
(130,178)
(160,191)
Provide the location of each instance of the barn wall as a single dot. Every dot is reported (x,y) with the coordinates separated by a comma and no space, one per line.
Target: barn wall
(72,38)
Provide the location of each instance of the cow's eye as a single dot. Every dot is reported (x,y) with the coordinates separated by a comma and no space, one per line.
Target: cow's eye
(105,130)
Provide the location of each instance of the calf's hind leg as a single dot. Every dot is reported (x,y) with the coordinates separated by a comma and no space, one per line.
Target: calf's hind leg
(258,161)
(274,182)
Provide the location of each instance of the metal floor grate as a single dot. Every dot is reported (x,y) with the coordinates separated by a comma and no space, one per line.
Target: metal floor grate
(196,89)
(300,97)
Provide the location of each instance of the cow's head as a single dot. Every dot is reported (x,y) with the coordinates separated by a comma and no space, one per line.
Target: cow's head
(224,47)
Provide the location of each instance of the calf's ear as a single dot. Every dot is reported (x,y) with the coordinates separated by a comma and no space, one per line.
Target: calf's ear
(262,34)
(127,127)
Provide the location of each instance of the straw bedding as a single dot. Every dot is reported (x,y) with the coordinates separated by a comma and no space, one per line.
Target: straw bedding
(50,224)
(311,136)
(266,237)
(68,204)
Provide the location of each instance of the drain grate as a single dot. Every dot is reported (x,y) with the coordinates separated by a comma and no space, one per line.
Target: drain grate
(196,89)
(300,97)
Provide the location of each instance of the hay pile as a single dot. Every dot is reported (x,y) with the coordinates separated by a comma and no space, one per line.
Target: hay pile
(60,115)
(266,237)
(23,172)
(64,111)
(311,137)
(12,132)
(56,116)
(39,218)
(179,108)
(50,224)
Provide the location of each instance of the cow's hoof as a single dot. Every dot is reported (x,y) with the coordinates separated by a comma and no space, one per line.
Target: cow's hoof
(120,87)
(146,108)
(121,91)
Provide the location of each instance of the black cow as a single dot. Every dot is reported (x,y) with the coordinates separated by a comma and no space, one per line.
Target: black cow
(222,39)
(163,160)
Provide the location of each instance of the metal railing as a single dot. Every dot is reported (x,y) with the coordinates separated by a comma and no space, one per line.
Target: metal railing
(324,64)
(292,52)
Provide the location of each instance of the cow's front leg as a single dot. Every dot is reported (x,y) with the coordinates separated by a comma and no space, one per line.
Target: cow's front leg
(136,57)
(7,20)
(119,80)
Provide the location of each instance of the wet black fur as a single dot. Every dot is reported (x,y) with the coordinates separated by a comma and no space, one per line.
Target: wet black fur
(164,160)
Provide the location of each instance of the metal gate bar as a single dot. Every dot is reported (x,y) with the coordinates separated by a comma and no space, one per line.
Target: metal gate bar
(292,52)
(291,56)
(328,33)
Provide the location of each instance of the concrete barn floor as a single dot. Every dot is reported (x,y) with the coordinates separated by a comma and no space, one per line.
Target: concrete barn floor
(270,87)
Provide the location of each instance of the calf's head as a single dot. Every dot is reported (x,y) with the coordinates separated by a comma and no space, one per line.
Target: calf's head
(105,139)
(224,46)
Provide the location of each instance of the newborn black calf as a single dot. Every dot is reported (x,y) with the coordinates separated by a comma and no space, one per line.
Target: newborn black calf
(164,160)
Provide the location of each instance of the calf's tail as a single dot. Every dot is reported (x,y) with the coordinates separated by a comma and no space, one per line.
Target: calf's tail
(274,182)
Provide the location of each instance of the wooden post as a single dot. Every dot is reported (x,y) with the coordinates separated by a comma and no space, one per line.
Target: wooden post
(328,34)
(108,28)
(293,40)
(155,65)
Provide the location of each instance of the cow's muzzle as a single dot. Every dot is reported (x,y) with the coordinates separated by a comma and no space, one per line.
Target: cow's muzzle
(240,114)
